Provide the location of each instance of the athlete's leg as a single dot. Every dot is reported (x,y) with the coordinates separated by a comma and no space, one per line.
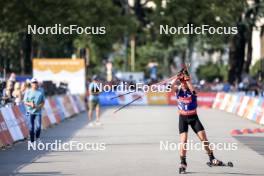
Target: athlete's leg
(90,110)
(203,138)
(183,141)
(183,130)
(97,111)
(199,130)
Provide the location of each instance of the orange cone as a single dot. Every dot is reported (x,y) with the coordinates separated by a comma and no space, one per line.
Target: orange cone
(235,132)
(247,131)
(257,130)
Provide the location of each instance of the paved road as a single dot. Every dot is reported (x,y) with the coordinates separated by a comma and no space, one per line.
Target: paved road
(132,139)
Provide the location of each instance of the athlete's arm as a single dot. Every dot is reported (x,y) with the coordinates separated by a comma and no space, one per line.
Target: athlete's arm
(174,86)
(190,86)
(29,103)
(26,102)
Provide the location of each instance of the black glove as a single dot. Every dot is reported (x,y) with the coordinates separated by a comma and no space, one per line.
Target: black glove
(186,73)
(180,76)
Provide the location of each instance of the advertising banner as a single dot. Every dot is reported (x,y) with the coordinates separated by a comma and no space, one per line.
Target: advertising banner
(105,98)
(218,100)
(12,123)
(45,119)
(260,114)
(65,111)
(225,101)
(21,121)
(157,98)
(5,135)
(79,103)
(67,105)
(206,99)
(49,112)
(172,98)
(251,108)
(54,109)
(22,109)
(125,99)
(232,105)
(70,71)
(74,104)
(242,107)
(60,107)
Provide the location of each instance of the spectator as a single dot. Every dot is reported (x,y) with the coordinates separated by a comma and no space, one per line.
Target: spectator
(40,87)
(93,101)
(153,69)
(7,93)
(34,100)
(17,94)
(24,87)
(226,87)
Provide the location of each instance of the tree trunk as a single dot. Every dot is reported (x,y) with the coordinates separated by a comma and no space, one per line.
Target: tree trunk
(232,60)
(249,51)
(27,47)
(21,60)
(236,55)
(139,11)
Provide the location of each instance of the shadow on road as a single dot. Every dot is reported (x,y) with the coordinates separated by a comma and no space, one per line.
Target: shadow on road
(256,143)
(18,156)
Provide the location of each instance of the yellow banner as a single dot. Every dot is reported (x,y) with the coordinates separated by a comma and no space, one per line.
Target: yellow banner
(57,65)
(157,98)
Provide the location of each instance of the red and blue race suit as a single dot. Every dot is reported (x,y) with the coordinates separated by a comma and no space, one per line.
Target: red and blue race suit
(187,102)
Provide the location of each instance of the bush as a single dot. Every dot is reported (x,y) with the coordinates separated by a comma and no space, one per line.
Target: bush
(257,70)
(210,71)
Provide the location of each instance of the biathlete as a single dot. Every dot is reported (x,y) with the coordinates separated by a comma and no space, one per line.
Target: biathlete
(93,101)
(187,105)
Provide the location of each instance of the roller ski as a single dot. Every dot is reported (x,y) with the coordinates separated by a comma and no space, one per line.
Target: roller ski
(182,169)
(216,162)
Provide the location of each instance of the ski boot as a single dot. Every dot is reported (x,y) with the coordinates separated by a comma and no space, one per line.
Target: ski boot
(216,162)
(182,169)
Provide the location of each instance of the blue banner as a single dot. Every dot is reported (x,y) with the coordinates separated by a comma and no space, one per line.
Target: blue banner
(105,98)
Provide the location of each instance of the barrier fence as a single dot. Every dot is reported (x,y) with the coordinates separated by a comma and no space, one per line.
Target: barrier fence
(251,108)
(244,106)
(205,99)
(14,125)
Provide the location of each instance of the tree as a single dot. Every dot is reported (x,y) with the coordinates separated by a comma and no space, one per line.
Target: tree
(238,60)
(15,16)
(210,71)
(180,13)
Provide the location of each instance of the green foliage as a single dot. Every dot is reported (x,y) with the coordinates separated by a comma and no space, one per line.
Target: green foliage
(141,21)
(15,16)
(150,51)
(211,71)
(257,67)
(9,44)
(209,12)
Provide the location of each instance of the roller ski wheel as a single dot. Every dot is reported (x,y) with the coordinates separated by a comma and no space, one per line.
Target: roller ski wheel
(216,162)
(182,169)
